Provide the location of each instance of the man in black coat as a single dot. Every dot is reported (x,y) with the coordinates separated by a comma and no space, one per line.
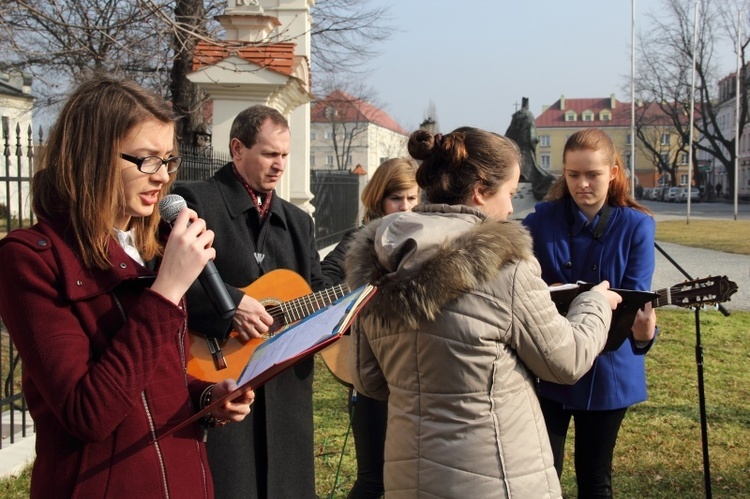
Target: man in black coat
(270,454)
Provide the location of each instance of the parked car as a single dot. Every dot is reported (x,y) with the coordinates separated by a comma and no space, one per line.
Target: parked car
(656,194)
(672,194)
(695,195)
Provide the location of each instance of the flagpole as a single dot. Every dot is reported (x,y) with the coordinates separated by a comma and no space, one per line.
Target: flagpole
(632,97)
(692,114)
(737,112)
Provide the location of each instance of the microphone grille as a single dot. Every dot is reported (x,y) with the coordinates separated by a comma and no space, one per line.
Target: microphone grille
(170,206)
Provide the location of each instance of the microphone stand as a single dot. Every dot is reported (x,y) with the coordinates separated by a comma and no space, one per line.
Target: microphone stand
(701,388)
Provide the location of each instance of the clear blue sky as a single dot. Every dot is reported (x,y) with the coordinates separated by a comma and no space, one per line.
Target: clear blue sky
(476,59)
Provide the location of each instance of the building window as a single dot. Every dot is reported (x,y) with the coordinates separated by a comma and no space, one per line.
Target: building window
(628,139)
(683,179)
(544,161)
(664,158)
(382,160)
(605,116)
(329,160)
(665,139)
(329,134)
(588,116)
(627,160)
(312,160)
(570,116)
(349,160)
(683,158)
(544,140)
(313,136)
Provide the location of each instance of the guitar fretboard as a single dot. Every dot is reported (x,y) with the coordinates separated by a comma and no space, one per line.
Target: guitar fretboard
(300,308)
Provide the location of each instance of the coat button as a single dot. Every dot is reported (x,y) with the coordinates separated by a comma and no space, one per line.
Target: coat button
(42,242)
(594,267)
(123,265)
(568,265)
(79,283)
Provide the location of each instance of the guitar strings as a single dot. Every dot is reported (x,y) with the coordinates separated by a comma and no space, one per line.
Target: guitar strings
(306,304)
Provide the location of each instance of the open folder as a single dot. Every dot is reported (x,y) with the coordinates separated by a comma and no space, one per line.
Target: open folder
(293,345)
(622,317)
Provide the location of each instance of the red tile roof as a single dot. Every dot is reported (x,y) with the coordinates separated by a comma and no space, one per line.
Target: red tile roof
(351,109)
(648,113)
(553,116)
(277,57)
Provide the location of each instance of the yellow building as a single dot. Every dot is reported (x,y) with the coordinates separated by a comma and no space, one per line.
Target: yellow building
(560,120)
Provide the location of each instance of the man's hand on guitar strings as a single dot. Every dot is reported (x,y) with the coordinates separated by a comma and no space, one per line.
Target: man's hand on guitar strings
(251,320)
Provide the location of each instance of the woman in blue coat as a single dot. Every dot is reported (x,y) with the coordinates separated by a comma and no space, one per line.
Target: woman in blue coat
(589,228)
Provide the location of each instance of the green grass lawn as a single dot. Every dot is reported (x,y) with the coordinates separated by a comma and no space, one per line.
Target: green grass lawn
(659,451)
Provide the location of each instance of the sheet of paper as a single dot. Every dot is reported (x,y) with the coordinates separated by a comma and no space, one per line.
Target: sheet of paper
(302,336)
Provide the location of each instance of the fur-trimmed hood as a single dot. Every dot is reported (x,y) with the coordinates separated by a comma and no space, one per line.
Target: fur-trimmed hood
(423,260)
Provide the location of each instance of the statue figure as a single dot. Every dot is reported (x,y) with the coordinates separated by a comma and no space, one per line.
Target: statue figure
(522,130)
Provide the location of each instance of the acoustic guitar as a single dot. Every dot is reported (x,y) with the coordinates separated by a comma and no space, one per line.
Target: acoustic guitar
(286,296)
(687,294)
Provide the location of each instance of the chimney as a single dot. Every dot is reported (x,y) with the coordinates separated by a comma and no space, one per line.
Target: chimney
(562,103)
(612,101)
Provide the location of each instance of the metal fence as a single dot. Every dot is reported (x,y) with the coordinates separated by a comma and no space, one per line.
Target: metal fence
(15,212)
(336,202)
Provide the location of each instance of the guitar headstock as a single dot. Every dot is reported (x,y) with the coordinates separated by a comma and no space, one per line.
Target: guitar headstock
(698,292)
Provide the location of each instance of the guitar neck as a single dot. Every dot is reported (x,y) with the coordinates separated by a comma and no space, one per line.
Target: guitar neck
(300,308)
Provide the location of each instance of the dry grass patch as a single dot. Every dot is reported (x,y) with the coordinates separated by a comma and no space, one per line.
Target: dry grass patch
(730,236)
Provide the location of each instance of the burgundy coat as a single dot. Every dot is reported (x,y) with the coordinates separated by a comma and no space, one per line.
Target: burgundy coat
(104,373)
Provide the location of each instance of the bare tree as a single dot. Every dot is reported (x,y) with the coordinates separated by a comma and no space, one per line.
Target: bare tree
(655,130)
(345,36)
(60,42)
(348,118)
(664,77)
(153,41)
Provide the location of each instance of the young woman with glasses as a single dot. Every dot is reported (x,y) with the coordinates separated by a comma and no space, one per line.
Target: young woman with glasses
(93,301)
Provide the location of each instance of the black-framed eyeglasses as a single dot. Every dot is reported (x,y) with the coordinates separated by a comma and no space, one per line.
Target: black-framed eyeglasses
(151,164)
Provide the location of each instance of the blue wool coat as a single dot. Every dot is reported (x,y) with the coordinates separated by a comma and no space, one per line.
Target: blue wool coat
(624,255)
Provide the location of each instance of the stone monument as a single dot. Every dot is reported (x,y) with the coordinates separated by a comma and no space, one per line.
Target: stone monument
(535,182)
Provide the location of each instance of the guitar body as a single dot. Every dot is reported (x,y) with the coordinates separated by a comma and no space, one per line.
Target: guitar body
(271,290)
(336,358)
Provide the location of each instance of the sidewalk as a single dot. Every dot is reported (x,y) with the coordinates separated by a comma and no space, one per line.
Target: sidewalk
(15,456)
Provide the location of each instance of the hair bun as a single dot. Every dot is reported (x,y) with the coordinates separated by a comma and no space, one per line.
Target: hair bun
(421,144)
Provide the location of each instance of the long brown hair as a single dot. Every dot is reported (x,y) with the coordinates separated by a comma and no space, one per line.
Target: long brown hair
(79,180)
(454,163)
(395,174)
(594,139)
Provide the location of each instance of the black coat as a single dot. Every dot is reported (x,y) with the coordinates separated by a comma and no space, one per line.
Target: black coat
(270,454)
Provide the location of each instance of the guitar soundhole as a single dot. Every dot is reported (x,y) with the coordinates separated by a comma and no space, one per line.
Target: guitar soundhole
(279,321)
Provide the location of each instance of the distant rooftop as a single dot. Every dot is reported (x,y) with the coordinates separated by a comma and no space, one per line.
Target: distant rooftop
(17,85)
(351,109)
(598,111)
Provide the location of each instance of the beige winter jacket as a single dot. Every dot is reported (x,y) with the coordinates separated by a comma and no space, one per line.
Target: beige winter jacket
(461,325)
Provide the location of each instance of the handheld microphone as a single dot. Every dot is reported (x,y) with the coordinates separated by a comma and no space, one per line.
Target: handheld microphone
(169,207)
